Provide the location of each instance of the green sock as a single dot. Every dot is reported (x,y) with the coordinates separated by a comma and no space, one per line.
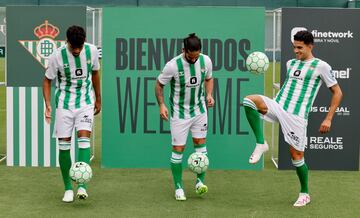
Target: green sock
(176,168)
(201,149)
(303,173)
(84,156)
(65,164)
(253,118)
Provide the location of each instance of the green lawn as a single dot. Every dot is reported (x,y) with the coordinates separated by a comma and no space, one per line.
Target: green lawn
(37,192)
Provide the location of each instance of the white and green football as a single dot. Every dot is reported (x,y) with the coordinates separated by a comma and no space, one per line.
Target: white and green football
(80,172)
(198,162)
(257,62)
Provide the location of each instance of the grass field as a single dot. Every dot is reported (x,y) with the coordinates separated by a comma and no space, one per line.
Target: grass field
(37,192)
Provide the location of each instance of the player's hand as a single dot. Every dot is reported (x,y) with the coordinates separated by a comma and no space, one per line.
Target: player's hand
(164,114)
(325,126)
(97,107)
(48,114)
(210,101)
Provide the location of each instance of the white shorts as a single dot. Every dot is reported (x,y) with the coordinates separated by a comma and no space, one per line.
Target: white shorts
(293,127)
(180,128)
(66,120)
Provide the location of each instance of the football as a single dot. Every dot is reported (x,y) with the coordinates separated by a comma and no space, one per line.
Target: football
(198,162)
(80,172)
(257,62)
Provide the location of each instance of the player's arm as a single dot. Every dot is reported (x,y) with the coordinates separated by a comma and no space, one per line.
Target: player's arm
(96,85)
(335,102)
(209,85)
(50,74)
(47,98)
(209,82)
(159,93)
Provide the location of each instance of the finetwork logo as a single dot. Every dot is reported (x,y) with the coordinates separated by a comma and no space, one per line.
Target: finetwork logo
(329,34)
(321,36)
(46,44)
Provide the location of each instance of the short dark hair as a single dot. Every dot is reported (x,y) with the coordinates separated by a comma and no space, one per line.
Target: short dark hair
(304,36)
(76,36)
(192,43)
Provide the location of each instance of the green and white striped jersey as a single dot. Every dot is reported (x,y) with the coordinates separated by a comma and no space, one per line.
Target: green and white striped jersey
(187,94)
(302,84)
(73,84)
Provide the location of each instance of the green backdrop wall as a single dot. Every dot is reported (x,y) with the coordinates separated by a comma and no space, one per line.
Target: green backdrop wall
(137,42)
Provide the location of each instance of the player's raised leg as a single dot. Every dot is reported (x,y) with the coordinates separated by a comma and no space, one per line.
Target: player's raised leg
(254,104)
(65,164)
(200,146)
(84,156)
(176,170)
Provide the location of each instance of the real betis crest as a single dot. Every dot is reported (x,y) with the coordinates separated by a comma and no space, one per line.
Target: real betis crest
(46,44)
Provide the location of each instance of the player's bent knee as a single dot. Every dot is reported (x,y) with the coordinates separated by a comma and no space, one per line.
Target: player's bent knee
(199,141)
(179,148)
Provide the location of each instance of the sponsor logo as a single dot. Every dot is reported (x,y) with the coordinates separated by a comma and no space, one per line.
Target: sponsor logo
(204,127)
(325,36)
(296,75)
(342,74)
(294,31)
(193,82)
(341,111)
(86,119)
(330,34)
(326,143)
(294,137)
(46,44)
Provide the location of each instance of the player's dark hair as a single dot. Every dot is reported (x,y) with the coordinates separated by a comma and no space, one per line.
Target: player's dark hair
(192,43)
(304,36)
(76,36)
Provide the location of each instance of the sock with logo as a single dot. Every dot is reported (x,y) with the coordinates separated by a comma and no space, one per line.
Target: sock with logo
(84,153)
(201,149)
(253,117)
(176,168)
(65,162)
(302,172)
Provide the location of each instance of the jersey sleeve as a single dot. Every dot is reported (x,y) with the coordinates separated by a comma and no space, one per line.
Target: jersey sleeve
(52,69)
(327,75)
(96,65)
(167,73)
(209,67)
(288,64)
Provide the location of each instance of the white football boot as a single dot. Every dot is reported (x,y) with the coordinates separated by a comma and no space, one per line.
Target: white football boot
(258,151)
(180,194)
(81,193)
(303,200)
(68,196)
